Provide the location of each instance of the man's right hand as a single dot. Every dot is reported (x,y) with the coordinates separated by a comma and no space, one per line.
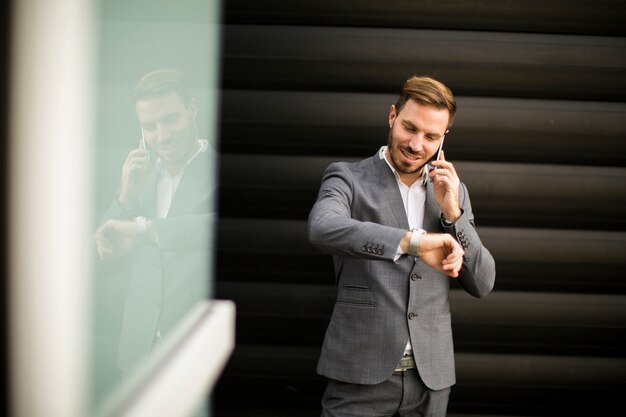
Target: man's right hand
(442,252)
(135,173)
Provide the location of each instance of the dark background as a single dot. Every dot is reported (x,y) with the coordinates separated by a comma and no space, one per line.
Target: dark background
(539,140)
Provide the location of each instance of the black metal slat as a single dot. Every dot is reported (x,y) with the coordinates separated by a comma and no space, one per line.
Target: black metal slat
(585,17)
(485,128)
(471,63)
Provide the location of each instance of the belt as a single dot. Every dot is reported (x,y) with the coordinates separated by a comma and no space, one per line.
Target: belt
(406,363)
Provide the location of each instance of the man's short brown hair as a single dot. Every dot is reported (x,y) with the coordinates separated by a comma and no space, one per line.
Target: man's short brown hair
(162,81)
(428,91)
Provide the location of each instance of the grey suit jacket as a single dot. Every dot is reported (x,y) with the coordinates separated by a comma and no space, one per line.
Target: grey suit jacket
(360,219)
(168,278)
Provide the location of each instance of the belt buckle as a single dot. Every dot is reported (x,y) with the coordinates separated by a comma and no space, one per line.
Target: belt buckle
(404,364)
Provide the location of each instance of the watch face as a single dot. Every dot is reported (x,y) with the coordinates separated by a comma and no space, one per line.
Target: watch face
(142,225)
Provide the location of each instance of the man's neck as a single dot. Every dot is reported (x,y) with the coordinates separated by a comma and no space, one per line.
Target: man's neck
(177,168)
(173,169)
(409,179)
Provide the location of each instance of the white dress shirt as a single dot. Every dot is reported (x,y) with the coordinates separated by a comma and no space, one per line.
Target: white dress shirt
(414,199)
(168,183)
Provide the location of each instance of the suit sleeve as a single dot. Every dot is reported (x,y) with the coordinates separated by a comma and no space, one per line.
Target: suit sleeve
(478,273)
(115,211)
(193,230)
(333,229)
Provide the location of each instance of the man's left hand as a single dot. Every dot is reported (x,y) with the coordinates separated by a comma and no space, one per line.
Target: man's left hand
(446,183)
(116,237)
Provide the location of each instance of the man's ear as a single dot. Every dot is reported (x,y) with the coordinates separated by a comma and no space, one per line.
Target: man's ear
(392,115)
(193,108)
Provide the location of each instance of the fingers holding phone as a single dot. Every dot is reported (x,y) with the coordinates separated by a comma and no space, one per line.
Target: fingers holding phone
(447,185)
(135,172)
(151,154)
(438,154)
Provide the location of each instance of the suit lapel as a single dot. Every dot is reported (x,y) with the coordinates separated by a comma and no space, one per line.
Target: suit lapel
(432,212)
(193,185)
(386,180)
(149,197)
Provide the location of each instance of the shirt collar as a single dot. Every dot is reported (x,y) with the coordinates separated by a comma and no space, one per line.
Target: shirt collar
(382,154)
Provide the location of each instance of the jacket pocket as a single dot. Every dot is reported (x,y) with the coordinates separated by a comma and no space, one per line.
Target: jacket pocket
(356,295)
(355,303)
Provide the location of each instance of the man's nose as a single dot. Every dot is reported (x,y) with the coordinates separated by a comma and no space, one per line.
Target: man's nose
(162,131)
(416,142)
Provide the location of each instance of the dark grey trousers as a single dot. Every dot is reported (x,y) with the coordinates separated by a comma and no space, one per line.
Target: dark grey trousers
(404,395)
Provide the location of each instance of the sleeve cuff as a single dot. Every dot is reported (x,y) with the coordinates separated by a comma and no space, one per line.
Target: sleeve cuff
(447,223)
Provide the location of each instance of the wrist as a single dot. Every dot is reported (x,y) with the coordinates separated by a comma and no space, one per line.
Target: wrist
(124,203)
(449,219)
(404,242)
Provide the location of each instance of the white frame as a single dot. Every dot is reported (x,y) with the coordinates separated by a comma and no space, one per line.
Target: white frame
(177,377)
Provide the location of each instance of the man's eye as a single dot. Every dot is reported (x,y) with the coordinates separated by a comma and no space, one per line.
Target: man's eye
(149,127)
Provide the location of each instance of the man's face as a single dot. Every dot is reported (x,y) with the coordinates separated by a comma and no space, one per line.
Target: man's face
(168,127)
(414,137)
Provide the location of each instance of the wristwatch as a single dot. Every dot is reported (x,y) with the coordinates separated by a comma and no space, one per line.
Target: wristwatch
(414,243)
(142,225)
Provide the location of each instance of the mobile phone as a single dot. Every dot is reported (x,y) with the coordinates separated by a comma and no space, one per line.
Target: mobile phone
(143,145)
(436,156)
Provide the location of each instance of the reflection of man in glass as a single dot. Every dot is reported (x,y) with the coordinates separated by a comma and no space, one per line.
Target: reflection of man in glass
(158,225)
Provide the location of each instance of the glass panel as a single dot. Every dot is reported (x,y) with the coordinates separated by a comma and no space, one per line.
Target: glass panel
(155,180)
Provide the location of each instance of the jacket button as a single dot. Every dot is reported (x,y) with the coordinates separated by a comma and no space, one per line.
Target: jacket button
(412,316)
(415,277)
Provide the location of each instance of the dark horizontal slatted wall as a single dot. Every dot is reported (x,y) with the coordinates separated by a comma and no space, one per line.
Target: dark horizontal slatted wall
(540,140)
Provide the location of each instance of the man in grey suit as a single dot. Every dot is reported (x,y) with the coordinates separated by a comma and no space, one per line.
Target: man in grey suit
(399,226)
(158,229)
